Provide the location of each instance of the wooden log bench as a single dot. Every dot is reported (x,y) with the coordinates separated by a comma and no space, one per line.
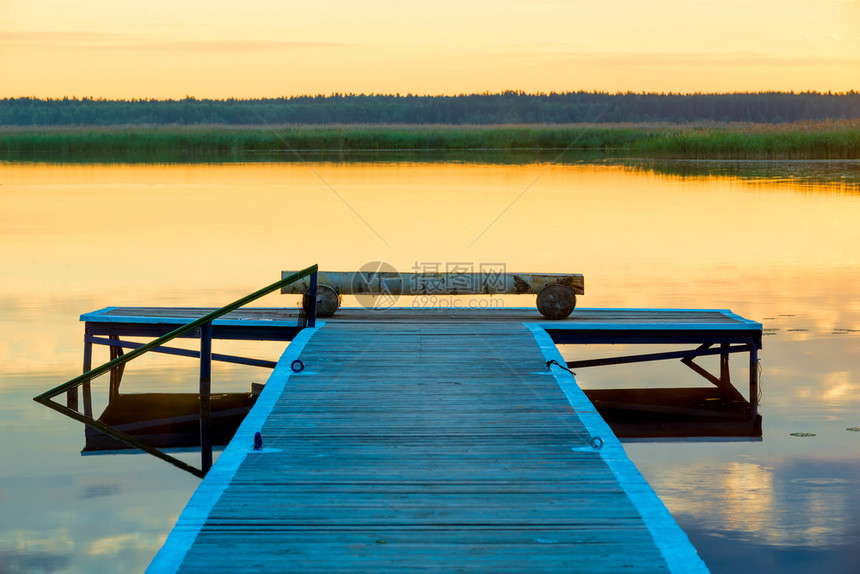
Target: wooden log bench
(556,292)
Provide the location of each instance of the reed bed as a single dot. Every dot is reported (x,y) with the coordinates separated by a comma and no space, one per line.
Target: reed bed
(838,139)
(802,140)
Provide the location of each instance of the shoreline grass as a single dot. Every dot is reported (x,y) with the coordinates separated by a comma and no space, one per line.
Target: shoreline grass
(837,139)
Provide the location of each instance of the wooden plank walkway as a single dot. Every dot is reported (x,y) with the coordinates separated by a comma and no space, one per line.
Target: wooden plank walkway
(426,446)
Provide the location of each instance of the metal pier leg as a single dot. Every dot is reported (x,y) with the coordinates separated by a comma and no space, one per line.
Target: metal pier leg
(86,386)
(206,397)
(115,373)
(72,394)
(725,374)
(753,380)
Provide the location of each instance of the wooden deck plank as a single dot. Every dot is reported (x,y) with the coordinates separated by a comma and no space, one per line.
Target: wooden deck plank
(420,446)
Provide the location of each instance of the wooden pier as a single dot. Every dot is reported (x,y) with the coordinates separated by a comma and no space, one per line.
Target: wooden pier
(436,440)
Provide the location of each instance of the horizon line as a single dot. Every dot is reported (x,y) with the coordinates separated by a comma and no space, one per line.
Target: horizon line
(517,93)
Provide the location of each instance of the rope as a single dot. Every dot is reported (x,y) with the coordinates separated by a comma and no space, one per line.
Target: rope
(554,362)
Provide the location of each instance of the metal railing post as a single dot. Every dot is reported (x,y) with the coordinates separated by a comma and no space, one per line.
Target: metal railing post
(203,323)
(312,304)
(206,397)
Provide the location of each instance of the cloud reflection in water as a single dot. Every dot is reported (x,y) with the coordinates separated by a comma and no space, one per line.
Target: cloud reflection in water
(811,502)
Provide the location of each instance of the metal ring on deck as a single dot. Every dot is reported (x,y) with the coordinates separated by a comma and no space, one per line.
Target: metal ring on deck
(297,366)
(597,442)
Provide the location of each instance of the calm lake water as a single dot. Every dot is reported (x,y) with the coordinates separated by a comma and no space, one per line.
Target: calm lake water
(775,242)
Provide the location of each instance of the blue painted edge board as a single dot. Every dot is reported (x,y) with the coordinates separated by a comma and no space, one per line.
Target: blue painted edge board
(680,555)
(194,516)
(559,326)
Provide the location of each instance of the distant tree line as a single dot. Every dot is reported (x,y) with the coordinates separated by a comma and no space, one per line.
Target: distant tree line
(481,109)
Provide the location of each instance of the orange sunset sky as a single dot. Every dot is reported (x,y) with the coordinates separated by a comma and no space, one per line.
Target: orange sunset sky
(271,48)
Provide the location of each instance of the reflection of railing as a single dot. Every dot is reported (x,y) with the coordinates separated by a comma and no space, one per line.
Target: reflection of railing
(205,325)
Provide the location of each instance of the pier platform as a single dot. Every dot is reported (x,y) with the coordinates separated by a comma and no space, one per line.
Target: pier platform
(718,409)
(440,440)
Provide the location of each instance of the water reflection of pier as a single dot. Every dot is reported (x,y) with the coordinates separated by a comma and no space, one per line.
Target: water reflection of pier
(172,420)
(717,410)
